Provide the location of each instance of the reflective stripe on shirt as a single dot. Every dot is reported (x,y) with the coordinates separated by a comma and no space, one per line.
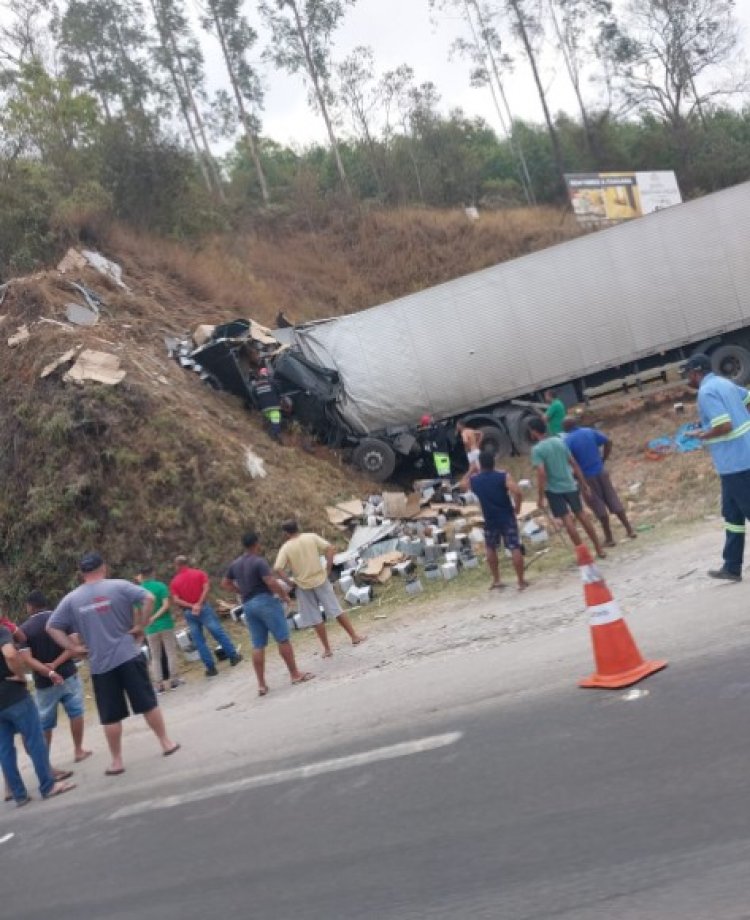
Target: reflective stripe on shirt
(720,402)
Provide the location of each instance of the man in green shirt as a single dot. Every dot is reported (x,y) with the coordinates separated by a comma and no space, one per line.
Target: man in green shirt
(556,474)
(160,630)
(555,413)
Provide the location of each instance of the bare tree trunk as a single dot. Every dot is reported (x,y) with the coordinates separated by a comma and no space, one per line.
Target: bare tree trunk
(99,91)
(244,117)
(183,103)
(210,162)
(516,148)
(526,42)
(312,70)
(575,80)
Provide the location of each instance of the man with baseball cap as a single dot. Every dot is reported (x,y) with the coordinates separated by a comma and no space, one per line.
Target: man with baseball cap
(725,428)
(109,615)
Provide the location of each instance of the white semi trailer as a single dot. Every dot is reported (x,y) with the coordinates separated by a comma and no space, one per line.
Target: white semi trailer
(616,303)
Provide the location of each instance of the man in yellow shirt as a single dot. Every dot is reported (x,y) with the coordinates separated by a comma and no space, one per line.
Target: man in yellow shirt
(300,556)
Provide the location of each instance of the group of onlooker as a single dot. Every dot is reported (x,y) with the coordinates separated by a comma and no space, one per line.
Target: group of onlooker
(106,621)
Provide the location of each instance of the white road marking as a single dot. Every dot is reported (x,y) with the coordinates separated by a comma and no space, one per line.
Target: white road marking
(6,838)
(392,752)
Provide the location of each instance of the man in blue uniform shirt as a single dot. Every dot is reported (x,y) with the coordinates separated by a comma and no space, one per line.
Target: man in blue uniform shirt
(725,428)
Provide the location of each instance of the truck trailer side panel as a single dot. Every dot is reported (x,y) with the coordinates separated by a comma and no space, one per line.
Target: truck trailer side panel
(593,303)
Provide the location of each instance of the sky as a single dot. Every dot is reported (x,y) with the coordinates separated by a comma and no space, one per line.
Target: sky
(404,31)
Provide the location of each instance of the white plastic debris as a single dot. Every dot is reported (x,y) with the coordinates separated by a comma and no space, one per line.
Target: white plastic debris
(254,464)
(105,267)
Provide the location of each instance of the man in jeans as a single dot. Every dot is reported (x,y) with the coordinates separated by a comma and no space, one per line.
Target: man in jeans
(55,674)
(19,715)
(189,589)
(108,615)
(300,554)
(263,596)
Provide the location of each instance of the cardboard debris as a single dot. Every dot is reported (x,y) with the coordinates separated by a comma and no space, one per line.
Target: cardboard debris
(72,261)
(58,362)
(18,337)
(254,464)
(400,505)
(374,567)
(364,537)
(98,366)
(336,516)
(354,507)
(202,333)
(261,334)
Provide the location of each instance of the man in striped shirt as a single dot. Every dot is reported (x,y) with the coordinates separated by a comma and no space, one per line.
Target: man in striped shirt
(725,428)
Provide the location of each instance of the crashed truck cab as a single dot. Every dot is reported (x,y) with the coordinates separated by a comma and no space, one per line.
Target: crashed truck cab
(229,357)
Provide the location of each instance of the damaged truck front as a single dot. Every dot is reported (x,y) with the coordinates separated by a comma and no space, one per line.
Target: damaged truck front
(230,357)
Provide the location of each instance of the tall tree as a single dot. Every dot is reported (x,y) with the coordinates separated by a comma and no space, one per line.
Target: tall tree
(574,21)
(485,50)
(236,38)
(358,93)
(104,45)
(301,42)
(676,58)
(527,26)
(181,56)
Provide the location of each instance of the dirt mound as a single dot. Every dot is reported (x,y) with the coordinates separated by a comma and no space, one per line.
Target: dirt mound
(144,469)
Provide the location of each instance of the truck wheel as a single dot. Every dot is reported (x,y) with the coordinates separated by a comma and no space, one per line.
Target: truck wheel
(732,361)
(496,440)
(375,458)
(518,426)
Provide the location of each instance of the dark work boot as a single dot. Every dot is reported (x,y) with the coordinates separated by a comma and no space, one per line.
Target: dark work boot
(212,672)
(723,575)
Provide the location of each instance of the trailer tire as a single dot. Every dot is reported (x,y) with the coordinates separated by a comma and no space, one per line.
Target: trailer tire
(375,458)
(518,426)
(496,440)
(733,362)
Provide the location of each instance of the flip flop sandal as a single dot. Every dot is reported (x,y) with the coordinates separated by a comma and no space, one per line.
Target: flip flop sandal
(114,772)
(63,775)
(172,750)
(65,787)
(305,677)
(22,802)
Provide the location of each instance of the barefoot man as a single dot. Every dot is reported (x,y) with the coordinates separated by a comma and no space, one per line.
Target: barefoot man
(500,498)
(263,598)
(110,615)
(300,555)
(472,441)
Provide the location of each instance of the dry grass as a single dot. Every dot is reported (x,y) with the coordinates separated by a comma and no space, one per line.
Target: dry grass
(354,262)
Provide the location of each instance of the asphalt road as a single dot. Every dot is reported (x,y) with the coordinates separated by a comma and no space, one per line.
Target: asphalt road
(577,805)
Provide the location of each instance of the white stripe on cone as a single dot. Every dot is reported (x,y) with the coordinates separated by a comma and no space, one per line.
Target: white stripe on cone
(590,574)
(602,614)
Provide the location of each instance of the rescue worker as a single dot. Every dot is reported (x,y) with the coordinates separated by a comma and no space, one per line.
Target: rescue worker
(725,428)
(268,401)
(435,441)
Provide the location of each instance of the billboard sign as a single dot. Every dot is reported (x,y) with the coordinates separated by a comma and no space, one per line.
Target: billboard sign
(599,198)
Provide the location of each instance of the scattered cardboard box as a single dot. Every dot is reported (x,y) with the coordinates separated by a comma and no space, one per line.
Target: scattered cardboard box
(99,366)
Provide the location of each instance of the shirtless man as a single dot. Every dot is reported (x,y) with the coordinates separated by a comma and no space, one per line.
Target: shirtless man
(472,441)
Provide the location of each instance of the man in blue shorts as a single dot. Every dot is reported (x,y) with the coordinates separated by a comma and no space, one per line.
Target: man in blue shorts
(55,673)
(263,596)
(500,499)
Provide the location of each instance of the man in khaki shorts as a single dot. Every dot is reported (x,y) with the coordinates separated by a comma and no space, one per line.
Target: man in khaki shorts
(300,556)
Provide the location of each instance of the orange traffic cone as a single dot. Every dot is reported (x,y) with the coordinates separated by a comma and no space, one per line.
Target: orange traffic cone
(618,661)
